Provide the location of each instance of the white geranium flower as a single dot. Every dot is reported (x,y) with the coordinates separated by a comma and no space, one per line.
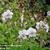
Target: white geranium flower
(48,13)
(31,32)
(22,34)
(42,24)
(7,15)
(46,27)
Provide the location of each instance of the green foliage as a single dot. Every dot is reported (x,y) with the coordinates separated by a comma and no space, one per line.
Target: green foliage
(9,30)
(42,34)
(48,20)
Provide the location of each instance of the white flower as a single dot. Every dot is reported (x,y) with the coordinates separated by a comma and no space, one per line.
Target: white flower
(46,27)
(42,24)
(22,34)
(7,15)
(31,32)
(48,13)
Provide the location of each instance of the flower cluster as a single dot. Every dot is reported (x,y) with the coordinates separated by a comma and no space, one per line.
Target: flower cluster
(42,24)
(7,15)
(24,34)
(32,32)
